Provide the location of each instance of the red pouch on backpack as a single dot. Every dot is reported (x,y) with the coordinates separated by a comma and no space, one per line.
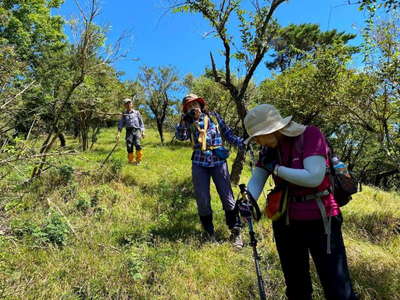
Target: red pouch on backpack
(276,203)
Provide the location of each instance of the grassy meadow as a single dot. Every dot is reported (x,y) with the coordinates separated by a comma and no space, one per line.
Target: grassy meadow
(119,231)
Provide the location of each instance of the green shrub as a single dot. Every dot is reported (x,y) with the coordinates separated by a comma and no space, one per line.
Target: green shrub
(115,167)
(104,193)
(378,226)
(94,201)
(56,229)
(28,228)
(135,265)
(110,171)
(65,174)
(83,202)
(70,192)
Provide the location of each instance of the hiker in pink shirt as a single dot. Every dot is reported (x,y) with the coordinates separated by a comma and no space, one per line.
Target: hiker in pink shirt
(297,157)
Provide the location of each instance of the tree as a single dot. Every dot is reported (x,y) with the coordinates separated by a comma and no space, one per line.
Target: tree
(158,85)
(29,27)
(257,29)
(372,5)
(382,107)
(82,59)
(313,90)
(295,42)
(11,88)
(94,102)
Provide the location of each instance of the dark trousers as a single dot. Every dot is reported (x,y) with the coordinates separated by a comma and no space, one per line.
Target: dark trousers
(299,239)
(132,138)
(201,177)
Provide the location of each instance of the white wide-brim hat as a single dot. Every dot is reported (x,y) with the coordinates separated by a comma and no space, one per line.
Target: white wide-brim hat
(265,119)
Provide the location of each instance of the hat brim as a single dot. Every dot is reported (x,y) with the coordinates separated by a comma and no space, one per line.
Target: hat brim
(293,129)
(200,100)
(278,127)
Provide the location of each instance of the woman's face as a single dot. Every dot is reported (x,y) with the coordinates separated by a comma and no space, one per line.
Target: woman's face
(269,140)
(197,108)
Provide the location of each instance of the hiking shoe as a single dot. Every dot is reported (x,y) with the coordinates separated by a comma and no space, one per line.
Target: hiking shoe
(211,238)
(236,238)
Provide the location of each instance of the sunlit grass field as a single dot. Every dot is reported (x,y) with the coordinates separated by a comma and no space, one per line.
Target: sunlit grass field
(119,231)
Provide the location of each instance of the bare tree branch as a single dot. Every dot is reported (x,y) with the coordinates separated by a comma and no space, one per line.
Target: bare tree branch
(17,95)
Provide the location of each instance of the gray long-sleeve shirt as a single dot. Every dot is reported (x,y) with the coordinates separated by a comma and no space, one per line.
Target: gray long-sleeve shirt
(131,119)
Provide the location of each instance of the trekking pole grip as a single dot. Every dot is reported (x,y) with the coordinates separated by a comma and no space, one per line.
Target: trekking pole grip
(242,188)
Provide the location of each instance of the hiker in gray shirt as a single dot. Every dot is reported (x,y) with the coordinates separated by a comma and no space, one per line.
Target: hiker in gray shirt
(132,120)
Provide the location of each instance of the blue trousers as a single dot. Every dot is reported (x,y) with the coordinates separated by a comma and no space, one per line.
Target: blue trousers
(296,241)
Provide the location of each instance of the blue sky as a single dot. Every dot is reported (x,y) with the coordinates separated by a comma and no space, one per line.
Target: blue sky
(161,38)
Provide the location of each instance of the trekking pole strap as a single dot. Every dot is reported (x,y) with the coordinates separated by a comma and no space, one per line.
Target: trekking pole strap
(251,202)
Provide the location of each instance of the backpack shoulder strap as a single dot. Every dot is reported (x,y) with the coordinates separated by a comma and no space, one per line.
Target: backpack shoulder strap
(299,143)
(202,139)
(330,155)
(213,118)
(206,120)
(203,134)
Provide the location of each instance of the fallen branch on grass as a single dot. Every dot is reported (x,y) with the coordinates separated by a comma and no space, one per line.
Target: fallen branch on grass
(59,210)
(36,156)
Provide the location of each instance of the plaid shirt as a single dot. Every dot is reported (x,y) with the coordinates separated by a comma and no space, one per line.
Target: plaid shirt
(207,158)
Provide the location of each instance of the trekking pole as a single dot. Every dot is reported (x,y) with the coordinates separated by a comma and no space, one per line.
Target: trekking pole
(109,154)
(248,209)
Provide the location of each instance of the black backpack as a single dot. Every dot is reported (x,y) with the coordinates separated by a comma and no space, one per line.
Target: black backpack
(343,186)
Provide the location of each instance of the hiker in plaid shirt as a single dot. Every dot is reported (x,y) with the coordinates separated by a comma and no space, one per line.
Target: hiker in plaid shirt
(205,130)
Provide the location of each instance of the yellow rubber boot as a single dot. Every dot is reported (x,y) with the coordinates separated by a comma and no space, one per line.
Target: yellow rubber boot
(139,155)
(131,158)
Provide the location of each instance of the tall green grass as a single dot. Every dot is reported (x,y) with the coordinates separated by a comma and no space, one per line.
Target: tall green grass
(120,231)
